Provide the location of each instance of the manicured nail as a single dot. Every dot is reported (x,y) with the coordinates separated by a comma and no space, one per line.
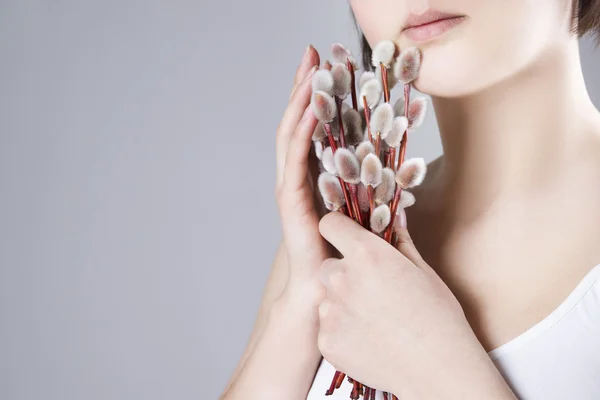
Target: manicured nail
(401,219)
(306,53)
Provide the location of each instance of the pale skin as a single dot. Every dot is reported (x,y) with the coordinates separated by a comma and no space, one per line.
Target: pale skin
(513,204)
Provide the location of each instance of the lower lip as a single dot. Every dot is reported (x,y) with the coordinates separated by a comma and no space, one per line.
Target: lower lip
(432,30)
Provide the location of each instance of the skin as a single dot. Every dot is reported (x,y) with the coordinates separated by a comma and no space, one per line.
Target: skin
(521,155)
(512,203)
(388,320)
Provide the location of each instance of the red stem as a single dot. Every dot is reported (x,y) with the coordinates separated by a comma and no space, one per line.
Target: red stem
(367,118)
(402,150)
(390,229)
(371,192)
(347,198)
(353,194)
(329,391)
(353,204)
(354,393)
(392,159)
(393,209)
(344,188)
(330,137)
(338,103)
(340,380)
(405,135)
(352,85)
(386,90)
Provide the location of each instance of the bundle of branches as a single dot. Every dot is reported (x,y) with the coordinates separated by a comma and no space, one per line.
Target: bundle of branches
(362,150)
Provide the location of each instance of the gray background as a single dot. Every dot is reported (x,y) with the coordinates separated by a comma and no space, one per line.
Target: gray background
(129,132)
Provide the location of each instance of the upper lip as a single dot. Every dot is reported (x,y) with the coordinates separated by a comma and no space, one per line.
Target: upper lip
(427,17)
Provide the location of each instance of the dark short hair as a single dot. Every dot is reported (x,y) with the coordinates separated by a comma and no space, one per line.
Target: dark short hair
(586,20)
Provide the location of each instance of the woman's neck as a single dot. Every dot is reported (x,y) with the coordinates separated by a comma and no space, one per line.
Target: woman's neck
(520,134)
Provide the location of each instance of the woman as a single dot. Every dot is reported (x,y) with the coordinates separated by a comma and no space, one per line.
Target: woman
(492,294)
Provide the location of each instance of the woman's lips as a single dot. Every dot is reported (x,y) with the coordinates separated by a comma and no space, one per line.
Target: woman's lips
(431,30)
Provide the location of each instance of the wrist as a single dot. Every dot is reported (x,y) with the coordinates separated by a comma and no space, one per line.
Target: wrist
(297,302)
(297,319)
(467,374)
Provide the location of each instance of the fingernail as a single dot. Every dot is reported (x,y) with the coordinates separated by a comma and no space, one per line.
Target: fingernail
(401,219)
(306,53)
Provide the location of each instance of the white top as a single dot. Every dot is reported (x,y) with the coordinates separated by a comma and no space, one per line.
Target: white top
(557,358)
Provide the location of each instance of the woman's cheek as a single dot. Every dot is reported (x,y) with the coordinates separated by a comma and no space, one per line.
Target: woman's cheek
(497,42)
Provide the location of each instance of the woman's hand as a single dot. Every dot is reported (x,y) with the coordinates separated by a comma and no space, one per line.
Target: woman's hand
(305,247)
(390,322)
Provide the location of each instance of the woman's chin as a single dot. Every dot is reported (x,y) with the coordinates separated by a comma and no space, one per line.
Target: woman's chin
(438,88)
(444,72)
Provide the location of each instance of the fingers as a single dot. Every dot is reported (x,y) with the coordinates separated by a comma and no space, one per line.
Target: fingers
(405,244)
(344,233)
(401,219)
(297,104)
(310,59)
(289,122)
(296,161)
(324,307)
(330,274)
(331,322)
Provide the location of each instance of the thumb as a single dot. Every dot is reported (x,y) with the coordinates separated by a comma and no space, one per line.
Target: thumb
(404,242)
(401,218)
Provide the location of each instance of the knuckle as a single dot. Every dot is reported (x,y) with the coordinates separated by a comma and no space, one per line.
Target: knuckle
(326,345)
(327,263)
(334,275)
(324,308)
(319,293)
(338,280)
(364,252)
(330,222)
